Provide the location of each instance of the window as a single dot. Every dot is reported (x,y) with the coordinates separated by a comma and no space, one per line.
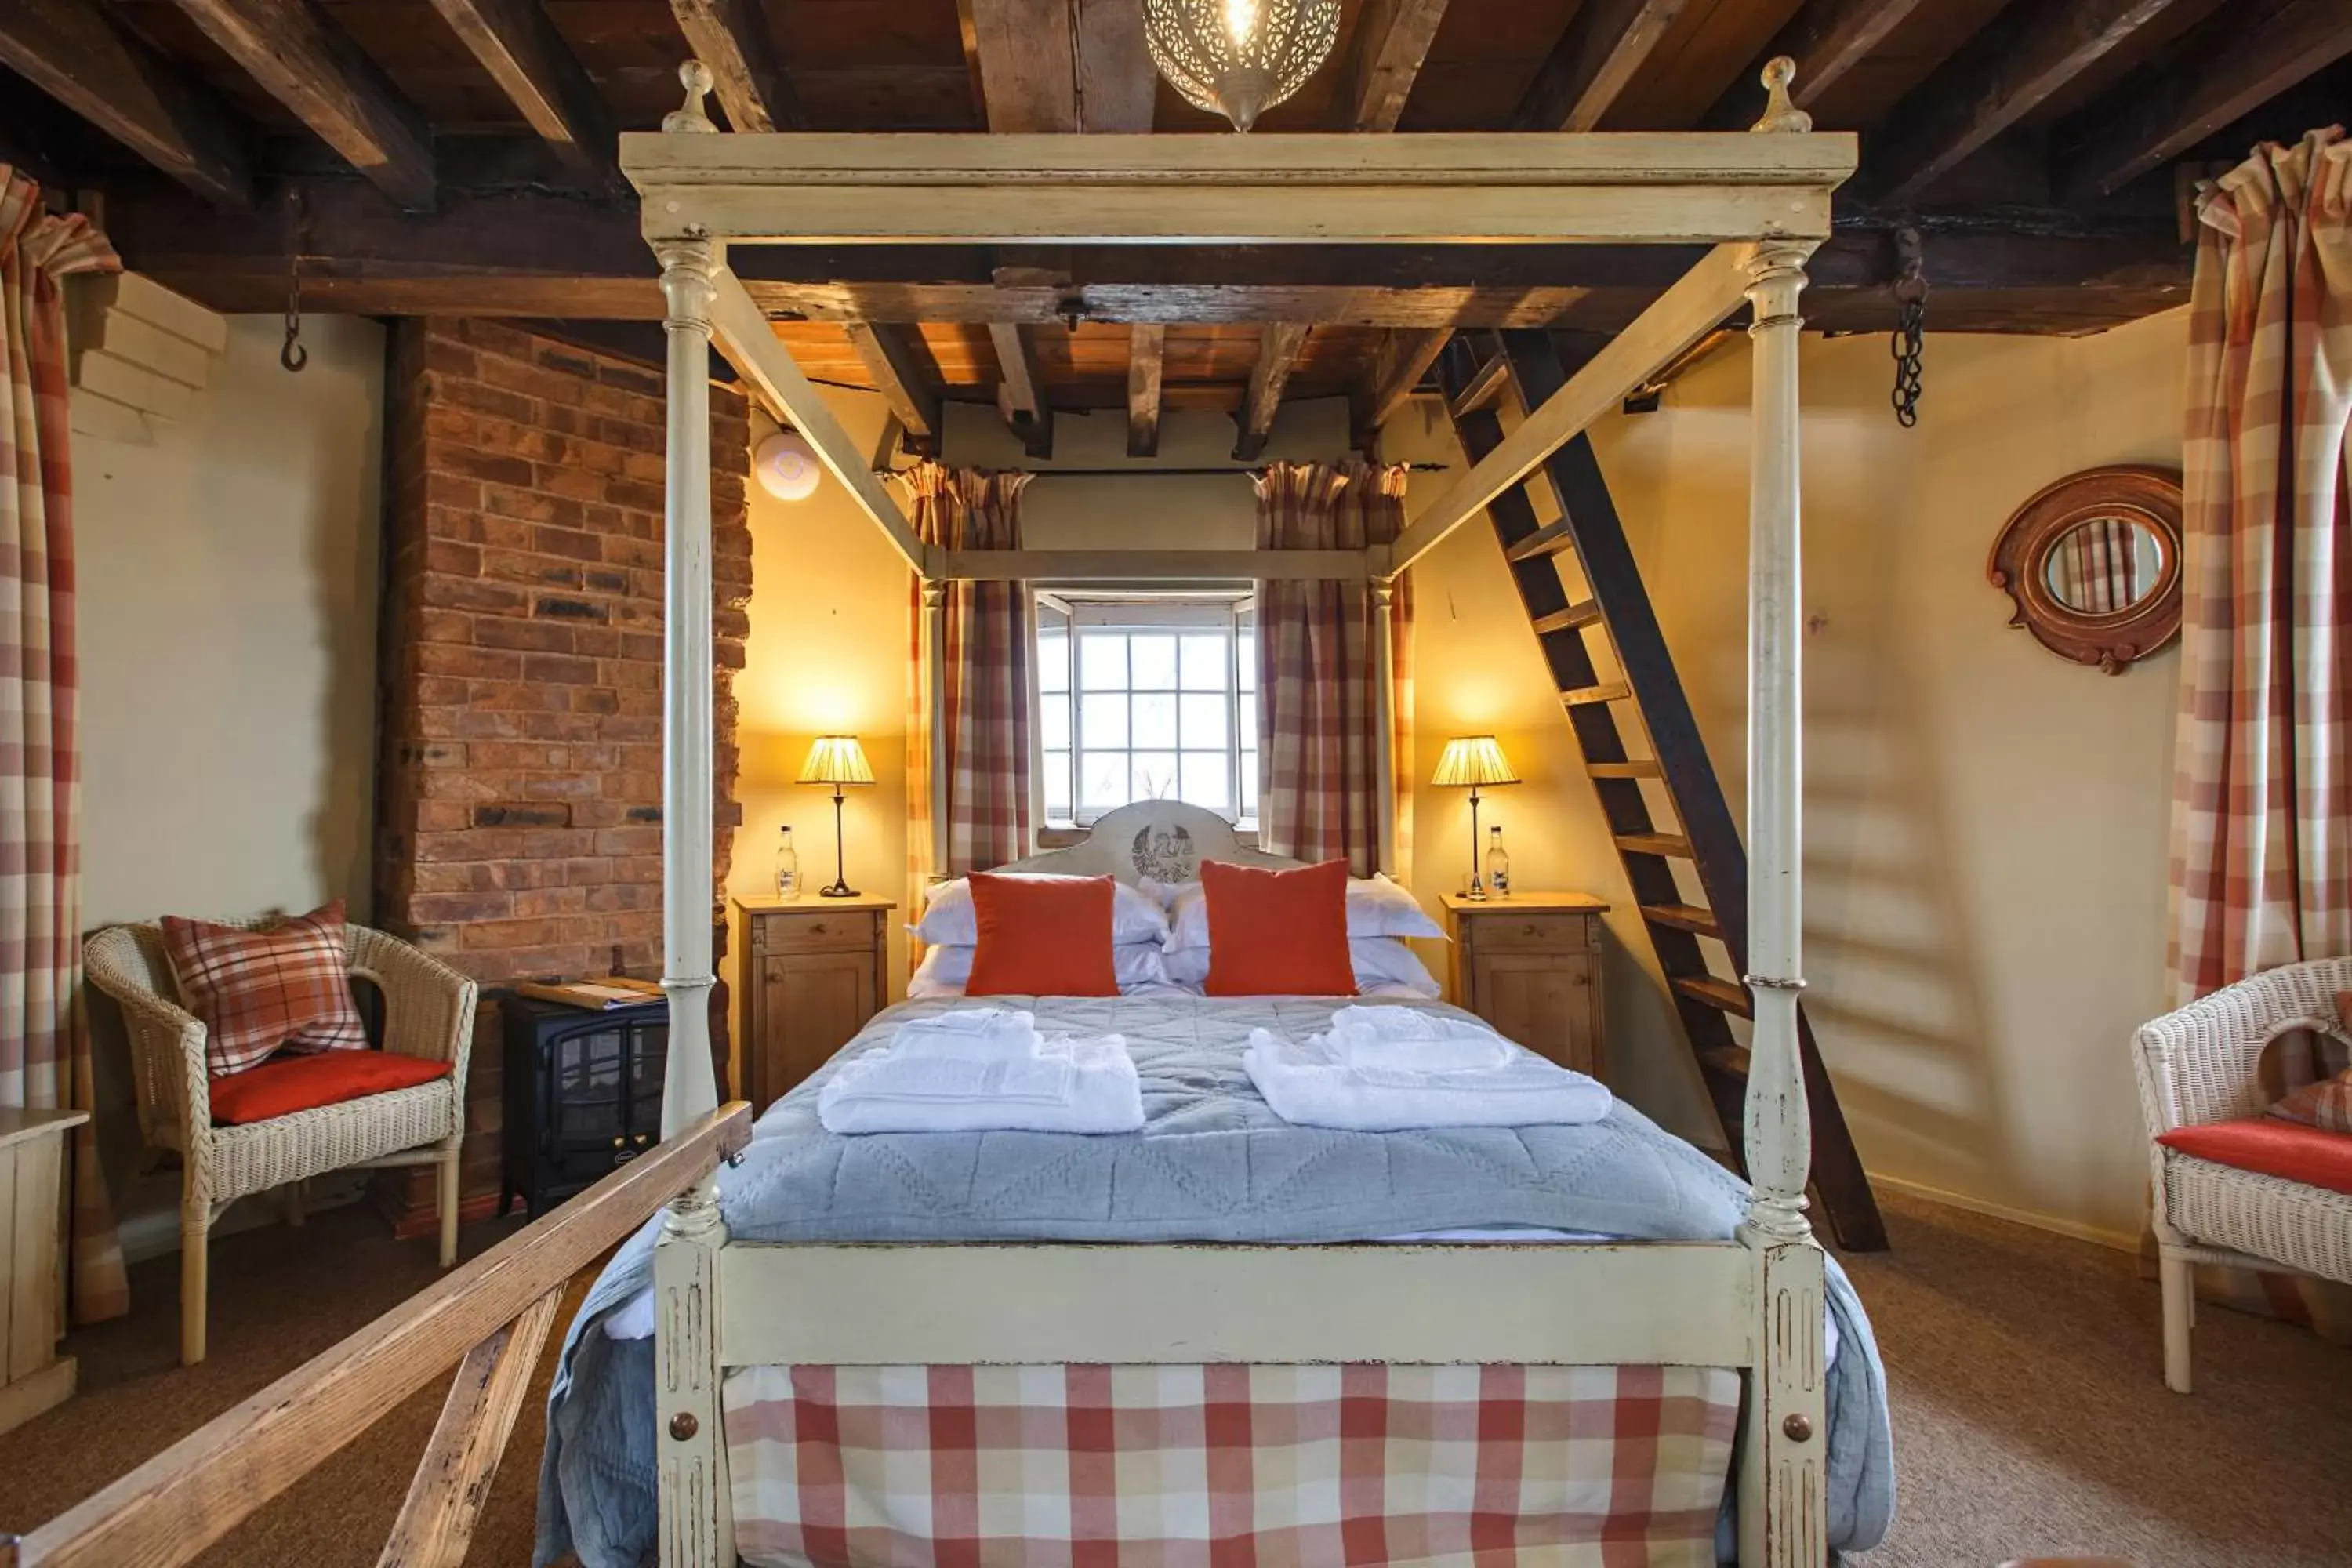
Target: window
(1146,698)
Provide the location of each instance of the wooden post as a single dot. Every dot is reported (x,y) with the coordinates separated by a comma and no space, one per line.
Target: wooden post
(690,1089)
(697,1518)
(1782,1500)
(1384,720)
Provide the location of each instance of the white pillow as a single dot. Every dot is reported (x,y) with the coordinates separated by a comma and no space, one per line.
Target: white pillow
(947,970)
(1376,907)
(1379,961)
(949,919)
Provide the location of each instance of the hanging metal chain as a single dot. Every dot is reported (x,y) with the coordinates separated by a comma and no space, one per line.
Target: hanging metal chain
(293,356)
(1905,344)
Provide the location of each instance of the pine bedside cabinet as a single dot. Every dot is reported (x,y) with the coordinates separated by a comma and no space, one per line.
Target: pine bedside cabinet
(32,1168)
(814,971)
(1530,964)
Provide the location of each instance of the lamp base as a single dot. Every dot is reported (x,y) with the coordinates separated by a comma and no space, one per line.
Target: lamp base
(1477,892)
(838,891)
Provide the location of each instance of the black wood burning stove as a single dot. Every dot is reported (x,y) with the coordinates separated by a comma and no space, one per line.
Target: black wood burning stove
(583,1094)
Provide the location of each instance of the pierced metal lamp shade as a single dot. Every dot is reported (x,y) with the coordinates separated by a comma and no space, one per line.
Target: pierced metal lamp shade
(1239,58)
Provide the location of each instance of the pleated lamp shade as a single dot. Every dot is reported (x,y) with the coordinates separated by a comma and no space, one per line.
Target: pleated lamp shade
(836,760)
(1471,761)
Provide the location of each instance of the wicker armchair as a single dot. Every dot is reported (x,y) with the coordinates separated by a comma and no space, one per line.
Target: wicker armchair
(2202,1065)
(428,1012)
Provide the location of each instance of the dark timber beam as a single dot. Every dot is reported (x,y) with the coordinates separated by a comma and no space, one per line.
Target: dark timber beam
(1147,352)
(527,56)
(1606,43)
(1021,390)
(1116,85)
(2247,55)
(1392,40)
(1278,355)
(71,50)
(300,57)
(1027,55)
(1827,38)
(891,358)
(1997,79)
(1403,358)
(731,37)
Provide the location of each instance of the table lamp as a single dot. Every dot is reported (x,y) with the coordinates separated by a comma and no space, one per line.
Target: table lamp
(1474,761)
(836,760)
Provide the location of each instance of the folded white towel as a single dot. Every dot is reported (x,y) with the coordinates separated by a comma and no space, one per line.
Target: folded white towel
(1082,1084)
(1414,1039)
(1308,1084)
(970,1034)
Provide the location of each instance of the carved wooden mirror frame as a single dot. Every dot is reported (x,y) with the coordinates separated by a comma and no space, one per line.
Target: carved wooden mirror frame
(2148,498)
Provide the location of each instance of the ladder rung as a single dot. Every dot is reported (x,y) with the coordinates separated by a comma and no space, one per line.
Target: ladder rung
(1647,768)
(1723,995)
(1484,387)
(1586,614)
(1603,691)
(1654,844)
(1729,1061)
(1682,917)
(1548,540)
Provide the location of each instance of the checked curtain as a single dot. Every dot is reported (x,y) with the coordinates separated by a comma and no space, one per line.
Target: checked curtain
(1319,754)
(2261,837)
(43,1047)
(985,749)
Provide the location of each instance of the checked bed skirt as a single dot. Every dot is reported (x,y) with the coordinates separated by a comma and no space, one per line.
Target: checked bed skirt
(1228,1466)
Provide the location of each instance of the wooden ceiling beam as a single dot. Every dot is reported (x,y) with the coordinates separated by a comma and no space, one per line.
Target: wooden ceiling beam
(2204,83)
(1997,79)
(1826,38)
(72,51)
(529,59)
(1403,358)
(1117,89)
(892,358)
(302,58)
(1392,40)
(732,37)
(1147,354)
(1278,356)
(1607,41)
(1021,397)
(1026,52)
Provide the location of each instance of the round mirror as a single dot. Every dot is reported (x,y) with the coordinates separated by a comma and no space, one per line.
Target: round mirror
(2104,564)
(2093,564)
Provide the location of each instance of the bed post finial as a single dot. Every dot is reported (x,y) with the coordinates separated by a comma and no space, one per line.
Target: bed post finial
(1779,113)
(690,116)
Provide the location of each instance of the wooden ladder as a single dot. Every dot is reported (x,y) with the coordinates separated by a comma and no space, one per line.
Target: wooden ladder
(1484,373)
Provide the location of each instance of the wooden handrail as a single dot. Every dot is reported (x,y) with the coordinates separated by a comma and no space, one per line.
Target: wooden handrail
(169,1509)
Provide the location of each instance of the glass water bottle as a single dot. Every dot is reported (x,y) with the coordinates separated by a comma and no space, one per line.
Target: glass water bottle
(1498,865)
(788,868)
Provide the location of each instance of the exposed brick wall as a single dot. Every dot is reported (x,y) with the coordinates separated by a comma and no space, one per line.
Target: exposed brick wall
(520,789)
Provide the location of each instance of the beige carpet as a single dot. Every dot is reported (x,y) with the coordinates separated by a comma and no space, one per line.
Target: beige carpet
(2029,1416)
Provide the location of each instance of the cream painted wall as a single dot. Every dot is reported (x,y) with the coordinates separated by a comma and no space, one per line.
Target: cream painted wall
(228,577)
(1986,827)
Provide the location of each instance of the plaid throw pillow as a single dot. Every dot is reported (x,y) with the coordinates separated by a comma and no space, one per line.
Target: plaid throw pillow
(258,990)
(2327,1104)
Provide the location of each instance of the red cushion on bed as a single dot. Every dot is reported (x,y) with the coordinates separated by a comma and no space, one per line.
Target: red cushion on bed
(290,1083)
(2273,1147)
(1041,937)
(1278,933)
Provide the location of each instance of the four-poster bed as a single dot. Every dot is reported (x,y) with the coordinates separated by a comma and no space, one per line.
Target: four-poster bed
(1755,1303)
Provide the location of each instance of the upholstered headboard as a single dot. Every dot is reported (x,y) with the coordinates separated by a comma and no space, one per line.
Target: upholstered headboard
(1163,840)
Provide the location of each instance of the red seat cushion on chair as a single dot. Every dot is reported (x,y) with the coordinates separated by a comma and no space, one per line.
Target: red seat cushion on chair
(2271,1147)
(287,1084)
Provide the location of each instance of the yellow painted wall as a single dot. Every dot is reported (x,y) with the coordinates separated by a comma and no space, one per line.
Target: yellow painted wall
(227,607)
(1986,823)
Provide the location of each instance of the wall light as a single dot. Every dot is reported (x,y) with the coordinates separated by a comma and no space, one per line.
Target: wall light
(787,467)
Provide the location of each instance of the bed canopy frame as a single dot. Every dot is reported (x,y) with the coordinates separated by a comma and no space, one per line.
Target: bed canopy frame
(1761,200)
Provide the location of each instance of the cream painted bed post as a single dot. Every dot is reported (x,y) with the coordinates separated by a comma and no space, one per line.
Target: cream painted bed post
(1783,1520)
(935,702)
(696,1520)
(1384,758)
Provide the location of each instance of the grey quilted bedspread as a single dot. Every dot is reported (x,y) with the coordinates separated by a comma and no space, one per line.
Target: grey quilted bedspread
(1212,1163)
